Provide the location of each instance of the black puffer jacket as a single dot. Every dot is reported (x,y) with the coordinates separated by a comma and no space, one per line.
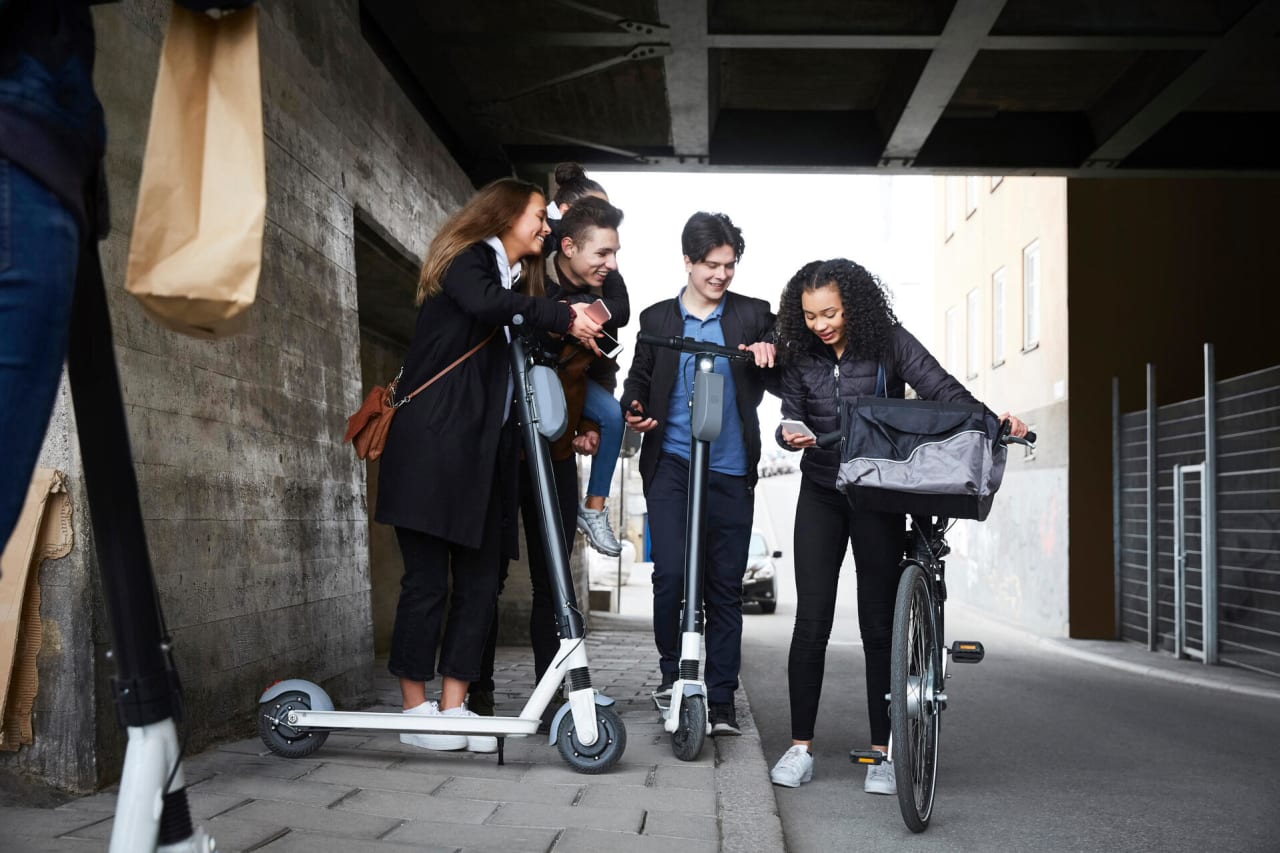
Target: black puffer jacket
(813,382)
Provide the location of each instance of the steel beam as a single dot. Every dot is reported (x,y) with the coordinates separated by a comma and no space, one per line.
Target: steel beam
(1254,32)
(645,32)
(688,76)
(969,24)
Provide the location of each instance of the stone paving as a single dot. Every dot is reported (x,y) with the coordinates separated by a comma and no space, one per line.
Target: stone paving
(368,792)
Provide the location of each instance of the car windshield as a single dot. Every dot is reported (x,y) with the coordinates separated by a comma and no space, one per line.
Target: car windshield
(759,548)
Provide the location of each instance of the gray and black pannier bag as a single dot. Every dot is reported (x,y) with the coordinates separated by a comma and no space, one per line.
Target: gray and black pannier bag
(920,457)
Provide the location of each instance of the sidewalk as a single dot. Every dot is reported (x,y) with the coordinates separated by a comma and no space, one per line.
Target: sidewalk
(367,792)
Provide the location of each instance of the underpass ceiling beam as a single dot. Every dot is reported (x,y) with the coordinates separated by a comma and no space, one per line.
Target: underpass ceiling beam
(688,76)
(959,43)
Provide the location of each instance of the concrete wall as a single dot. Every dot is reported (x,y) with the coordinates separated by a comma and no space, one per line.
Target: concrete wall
(1158,267)
(1013,566)
(255,510)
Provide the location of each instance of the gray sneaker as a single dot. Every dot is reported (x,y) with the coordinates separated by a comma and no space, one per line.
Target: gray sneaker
(595,524)
(794,768)
(880,779)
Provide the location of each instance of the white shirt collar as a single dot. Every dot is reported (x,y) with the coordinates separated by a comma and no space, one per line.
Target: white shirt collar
(508,272)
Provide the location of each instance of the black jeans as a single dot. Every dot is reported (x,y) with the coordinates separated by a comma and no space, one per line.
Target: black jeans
(825,522)
(728,533)
(543,635)
(424,587)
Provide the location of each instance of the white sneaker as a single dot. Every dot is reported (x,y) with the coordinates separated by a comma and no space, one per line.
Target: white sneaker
(595,524)
(794,768)
(475,743)
(880,779)
(426,741)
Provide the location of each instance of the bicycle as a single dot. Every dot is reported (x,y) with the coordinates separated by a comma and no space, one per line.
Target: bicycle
(918,665)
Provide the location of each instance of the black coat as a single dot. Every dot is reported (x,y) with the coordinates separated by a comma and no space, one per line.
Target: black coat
(437,469)
(813,387)
(745,320)
(613,293)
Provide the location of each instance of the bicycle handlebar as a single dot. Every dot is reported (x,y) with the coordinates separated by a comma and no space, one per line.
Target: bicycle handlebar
(693,346)
(831,439)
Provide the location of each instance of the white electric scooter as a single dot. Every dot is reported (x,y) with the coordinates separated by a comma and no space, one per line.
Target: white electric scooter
(685,715)
(296,716)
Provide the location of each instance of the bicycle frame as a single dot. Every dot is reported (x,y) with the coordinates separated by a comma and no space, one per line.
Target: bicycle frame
(926,546)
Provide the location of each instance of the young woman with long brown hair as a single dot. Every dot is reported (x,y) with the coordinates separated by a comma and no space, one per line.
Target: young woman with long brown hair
(448,472)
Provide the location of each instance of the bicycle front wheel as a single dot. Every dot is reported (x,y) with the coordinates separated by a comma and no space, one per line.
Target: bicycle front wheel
(914,714)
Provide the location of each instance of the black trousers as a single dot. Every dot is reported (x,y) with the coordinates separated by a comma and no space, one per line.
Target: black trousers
(424,589)
(825,525)
(543,635)
(730,506)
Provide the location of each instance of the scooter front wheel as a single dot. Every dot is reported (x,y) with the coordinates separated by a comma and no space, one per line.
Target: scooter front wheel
(282,738)
(611,742)
(691,733)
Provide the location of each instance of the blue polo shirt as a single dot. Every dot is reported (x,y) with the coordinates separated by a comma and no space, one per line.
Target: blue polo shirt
(728,451)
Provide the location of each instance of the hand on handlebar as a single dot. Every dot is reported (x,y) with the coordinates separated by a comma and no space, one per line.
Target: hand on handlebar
(763,351)
(1017,428)
(636,418)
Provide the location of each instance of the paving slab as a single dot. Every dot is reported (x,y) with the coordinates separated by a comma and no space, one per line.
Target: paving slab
(478,839)
(527,814)
(342,823)
(409,806)
(578,840)
(309,842)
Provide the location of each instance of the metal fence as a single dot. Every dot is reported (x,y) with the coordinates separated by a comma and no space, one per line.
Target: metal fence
(1197,521)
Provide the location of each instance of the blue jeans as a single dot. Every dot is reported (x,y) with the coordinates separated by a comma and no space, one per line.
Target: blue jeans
(39,249)
(730,505)
(601,407)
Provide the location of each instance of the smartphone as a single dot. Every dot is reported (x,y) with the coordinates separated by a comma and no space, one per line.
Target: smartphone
(608,346)
(797,426)
(598,312)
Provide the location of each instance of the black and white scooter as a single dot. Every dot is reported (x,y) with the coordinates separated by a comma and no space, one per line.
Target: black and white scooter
(296,716)
(685,716)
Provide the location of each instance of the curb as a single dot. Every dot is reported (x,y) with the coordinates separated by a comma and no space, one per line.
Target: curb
(1223,678)
(746,807)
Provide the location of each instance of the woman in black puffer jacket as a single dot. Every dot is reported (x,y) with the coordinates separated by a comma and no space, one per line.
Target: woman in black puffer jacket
(839,339)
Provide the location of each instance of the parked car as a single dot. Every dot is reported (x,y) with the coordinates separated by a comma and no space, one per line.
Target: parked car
(760,580)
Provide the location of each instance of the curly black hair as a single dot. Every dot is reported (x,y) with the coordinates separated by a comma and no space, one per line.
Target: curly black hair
(868,313)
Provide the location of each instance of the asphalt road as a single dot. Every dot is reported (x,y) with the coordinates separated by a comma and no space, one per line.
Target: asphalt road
(1039,752)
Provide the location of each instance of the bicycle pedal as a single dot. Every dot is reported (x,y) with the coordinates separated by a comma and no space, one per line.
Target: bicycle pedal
(967,651)
(867,756)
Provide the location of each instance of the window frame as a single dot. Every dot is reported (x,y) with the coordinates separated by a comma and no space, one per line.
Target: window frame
(1031,294)
(970,195)
(951,335)
(999,314)
(973,332)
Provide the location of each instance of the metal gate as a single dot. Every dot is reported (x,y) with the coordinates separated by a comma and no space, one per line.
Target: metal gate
(1197,521)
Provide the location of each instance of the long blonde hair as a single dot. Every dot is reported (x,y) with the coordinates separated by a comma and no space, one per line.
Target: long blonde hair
(490,212)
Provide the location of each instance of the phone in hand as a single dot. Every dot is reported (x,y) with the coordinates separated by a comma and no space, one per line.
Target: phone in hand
(598,312)
(795,426)
(609,347)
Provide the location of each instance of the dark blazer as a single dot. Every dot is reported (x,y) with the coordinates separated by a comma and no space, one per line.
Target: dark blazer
(437,470)
(812,389)
(746,320)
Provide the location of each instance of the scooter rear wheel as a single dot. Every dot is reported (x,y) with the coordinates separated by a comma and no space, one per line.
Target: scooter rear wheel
(611,742)
(281,738)
(691,733)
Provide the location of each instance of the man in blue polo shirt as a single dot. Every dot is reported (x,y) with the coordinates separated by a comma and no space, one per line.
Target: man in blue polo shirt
(655,399)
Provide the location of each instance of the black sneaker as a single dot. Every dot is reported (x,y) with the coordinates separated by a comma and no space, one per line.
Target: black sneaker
(664,689)
(481,702)
(724,719)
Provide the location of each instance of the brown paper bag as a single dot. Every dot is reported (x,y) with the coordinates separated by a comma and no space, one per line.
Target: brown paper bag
(196,249)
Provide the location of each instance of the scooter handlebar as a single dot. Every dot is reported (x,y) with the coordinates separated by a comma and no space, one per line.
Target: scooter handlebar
(696,347)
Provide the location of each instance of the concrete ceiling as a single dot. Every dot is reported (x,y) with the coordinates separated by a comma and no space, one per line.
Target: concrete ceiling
(1088,87)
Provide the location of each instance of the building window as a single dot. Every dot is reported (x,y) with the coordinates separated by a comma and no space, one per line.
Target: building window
(954,201)
(996,180)
(953,340)
(970,195)
(997,317)
(973,337)
(1031,296)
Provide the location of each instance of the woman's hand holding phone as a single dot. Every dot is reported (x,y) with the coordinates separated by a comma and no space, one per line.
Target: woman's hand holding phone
(585,330)
(797,435)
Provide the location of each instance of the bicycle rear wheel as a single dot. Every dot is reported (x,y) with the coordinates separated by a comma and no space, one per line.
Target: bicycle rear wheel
(914,715)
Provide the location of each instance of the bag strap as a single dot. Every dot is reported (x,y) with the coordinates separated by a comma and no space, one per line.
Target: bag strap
(881,390)
(466,355)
